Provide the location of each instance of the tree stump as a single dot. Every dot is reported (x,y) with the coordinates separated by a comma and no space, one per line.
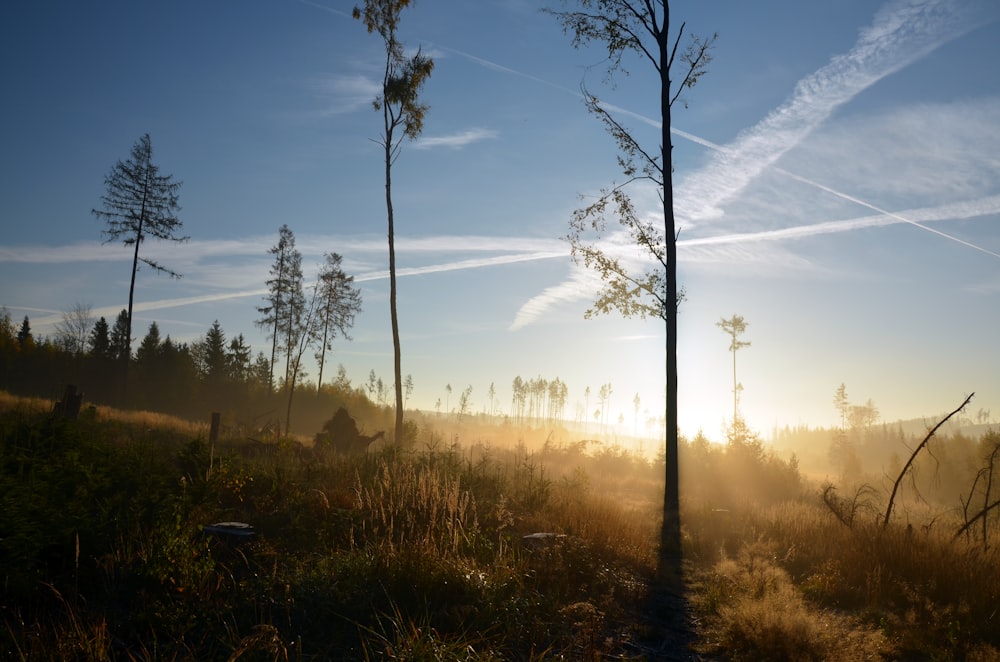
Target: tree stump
(69,406)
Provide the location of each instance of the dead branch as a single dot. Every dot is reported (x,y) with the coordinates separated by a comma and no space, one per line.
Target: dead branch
(986,473)
(913,456)
(845,509)
(981,514)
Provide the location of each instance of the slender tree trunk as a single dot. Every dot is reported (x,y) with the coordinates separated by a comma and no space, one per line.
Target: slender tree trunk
(396,362)
(131,299)
(322,355)
(670,544)
(277,309)
(735,390)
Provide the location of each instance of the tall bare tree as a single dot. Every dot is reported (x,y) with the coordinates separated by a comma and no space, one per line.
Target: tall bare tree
(401,112)
(735,327)
(139,203)
(640,28)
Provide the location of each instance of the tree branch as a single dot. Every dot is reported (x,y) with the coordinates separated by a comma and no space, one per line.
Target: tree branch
(909,462)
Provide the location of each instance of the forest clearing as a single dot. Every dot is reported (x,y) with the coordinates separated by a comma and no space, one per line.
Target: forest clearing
(420,552)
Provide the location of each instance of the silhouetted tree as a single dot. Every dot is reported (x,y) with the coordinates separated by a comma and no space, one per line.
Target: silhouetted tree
(338,301)
(260,373)
(120,341)
(284,300)
(342,383)
(401,110)
(464,402)
(842,404)
(407,388)
(635,417)
(8,329)
(212,359)
(139,203)
(24,338)
(149,347)
(735,326)
(99,342)
(640,28)
(71,331)
(331,310)
(604,397)
(148,377)
(238,360)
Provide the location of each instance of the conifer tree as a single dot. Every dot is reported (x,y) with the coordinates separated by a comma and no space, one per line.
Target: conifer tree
(139,204)
(99,343)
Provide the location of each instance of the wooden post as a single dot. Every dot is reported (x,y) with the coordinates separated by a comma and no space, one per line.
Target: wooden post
(213,436)
(213,433)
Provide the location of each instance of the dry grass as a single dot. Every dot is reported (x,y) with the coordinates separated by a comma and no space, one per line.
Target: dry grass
(418,555)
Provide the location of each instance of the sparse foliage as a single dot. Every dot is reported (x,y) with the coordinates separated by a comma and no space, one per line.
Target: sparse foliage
(285,300)
(640,28)
(735,326)
(338,301)
(402,111)
(139,204)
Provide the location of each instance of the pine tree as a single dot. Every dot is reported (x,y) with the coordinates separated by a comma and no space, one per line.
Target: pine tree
(24,338)
(120,341)
(99,342)
(139,203)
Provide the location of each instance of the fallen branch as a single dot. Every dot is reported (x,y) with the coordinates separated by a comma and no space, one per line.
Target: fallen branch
(909,462)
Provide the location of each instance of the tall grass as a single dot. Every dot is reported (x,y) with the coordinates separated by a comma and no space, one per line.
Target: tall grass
(418,553)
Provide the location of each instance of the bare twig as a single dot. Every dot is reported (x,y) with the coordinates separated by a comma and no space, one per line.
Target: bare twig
(909,462)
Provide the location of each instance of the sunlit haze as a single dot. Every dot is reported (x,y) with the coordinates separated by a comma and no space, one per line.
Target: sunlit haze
(837,185)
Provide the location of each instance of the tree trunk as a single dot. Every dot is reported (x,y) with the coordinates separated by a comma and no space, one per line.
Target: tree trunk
(396,362)
(131,298)
(670,543)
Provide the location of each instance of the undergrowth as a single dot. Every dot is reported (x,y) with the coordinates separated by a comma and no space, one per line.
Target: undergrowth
(419,554)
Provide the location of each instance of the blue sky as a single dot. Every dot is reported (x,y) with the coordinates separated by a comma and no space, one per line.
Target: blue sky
(837,182)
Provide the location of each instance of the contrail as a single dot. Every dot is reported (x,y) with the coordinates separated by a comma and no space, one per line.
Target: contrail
(902,33)
(326,9)
(460,265)
(961,210)
(893,215)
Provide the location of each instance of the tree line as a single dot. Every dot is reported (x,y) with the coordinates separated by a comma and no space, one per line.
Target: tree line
(216,372)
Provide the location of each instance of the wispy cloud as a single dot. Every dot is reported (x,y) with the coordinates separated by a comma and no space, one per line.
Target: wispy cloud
(902,32)
(581,285)
(456,140)
(341,93)
(460,265)
(204,262)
